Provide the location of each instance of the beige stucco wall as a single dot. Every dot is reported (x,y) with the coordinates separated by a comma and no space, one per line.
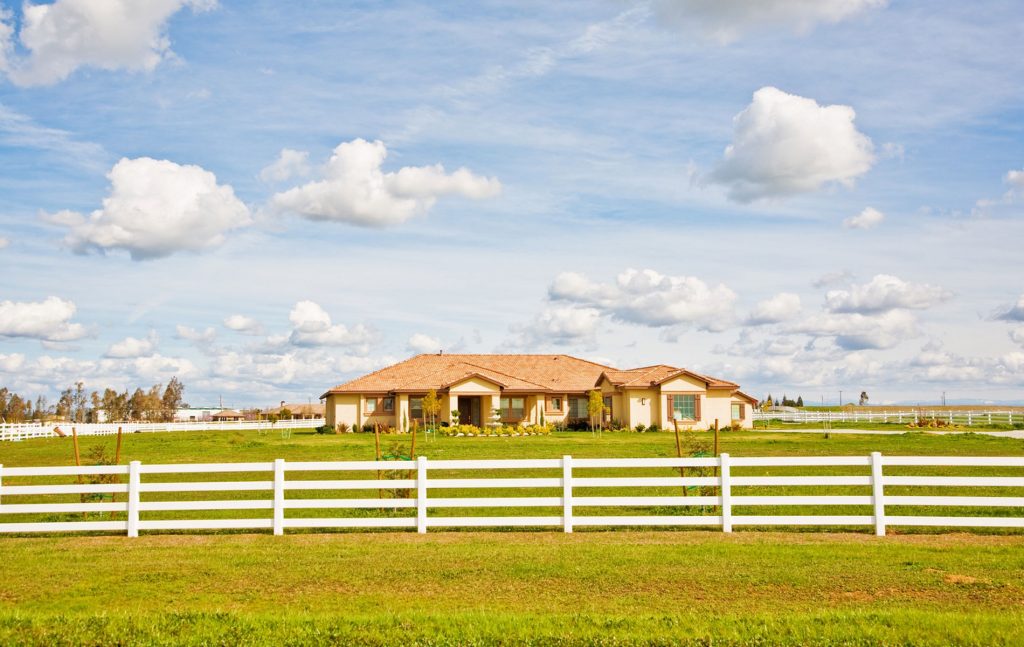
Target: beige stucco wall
(475,386)
(641,413)
(340,408)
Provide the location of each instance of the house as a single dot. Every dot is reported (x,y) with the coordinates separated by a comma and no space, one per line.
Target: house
(228,415)
(526,389)
(196,414)
(297,411)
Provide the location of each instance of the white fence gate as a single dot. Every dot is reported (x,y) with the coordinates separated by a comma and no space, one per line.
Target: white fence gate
(577,492)
(38,430)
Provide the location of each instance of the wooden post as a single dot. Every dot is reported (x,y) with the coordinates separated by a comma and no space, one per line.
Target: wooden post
(117,461)
(716,436)
(278,523)
(78,463)
(679,453)
(421,494)
(567,494)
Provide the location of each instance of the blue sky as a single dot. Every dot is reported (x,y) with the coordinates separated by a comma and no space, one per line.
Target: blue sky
(800,196)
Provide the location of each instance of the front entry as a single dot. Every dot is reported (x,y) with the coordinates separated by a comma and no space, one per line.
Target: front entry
(469,410)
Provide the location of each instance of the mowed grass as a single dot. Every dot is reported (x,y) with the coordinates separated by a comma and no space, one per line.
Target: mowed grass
(617,587)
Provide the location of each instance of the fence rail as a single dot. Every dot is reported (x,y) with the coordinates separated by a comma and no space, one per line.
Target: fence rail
(37,430)
(967,418)
(723,492)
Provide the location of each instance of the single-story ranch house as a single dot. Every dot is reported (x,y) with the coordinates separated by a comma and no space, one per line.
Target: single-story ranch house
(530,388)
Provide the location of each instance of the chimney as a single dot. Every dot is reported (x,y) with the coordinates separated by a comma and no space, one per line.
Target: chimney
(282,404)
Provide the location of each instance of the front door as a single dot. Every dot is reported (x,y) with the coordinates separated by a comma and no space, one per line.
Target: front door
(469,410)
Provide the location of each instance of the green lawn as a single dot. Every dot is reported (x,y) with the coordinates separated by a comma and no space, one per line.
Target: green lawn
(621,587)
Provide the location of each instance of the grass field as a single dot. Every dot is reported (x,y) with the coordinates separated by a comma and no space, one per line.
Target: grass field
(597,587)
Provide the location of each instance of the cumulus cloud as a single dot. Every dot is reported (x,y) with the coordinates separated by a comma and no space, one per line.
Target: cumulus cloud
(156,208)
(1009,201)
(243,324)
(883,293)
(559,326)
(1012,313)
(60,37)
(649,298)
(356,191)
(781,307)
(132,347)
(48,320)
(290,163)
(867,219)
(312,327)
(421,343)
(727,20)
(784,144)
(856,331)
(194,335)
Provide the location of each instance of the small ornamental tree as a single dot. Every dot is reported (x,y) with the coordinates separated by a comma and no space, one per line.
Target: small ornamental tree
(863,398)
(595,408)
(431,407)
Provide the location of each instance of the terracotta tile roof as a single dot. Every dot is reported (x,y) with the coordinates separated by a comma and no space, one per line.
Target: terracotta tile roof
(555,373)
(299,409)
(653,375)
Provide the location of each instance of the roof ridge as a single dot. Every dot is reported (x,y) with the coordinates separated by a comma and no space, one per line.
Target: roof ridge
(379,370)
(493,370)
(652,369)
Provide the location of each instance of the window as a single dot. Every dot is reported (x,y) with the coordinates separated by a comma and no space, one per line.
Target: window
(415,407)
(389,404)
(513,408)
(607,407)
(684,407)
(738,411)
(555,405)
(371,405)
(578,408)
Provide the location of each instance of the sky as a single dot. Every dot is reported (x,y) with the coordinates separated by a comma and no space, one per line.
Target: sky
(266,199)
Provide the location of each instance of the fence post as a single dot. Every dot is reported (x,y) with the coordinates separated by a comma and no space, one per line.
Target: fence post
(877,493)
(1,482)
(278,496)
(567,493)
(725,492)
(421,494)
(133,498)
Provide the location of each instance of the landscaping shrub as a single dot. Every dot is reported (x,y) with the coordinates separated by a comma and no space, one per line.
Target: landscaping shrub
(640,428)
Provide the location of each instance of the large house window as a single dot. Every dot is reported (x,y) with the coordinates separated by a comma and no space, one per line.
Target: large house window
(513,408)
(684,407)
(371,405)
(578,408)
(389,404)
(555,405)
(738,411)
(416,407)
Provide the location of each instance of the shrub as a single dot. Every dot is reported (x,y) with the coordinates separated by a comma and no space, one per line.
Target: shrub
(367,427)
(325,429)
(654,427)
(640,428)
(343,428)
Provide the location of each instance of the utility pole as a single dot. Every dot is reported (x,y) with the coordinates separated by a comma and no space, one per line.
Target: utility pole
(840,397)
(943,398)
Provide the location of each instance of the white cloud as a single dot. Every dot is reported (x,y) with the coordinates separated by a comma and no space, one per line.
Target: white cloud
(196,336)
(48,320)
(243,324)
(727,20)
(856,331)
(1007,204)
(61,37)
(1014,312)
(648,298)
(867,219)
(156,208)
(784,144)
(1017,335)
(883,293)
(559,326)
(832,278)
(356,191)
(132,347)
(4,242)
(421,343)
(312,327)
(781,307)
(290,163)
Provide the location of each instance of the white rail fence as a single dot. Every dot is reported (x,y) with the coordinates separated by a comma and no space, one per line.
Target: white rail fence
(967,418)
(577,492)
(37,430)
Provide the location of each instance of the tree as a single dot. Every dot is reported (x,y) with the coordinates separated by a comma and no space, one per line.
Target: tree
(595,408)
(863,398)
(285,414)
(431,407)
(172,399)
(79,403)
(800,401)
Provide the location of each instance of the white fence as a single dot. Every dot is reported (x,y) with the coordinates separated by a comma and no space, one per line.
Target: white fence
(968,418)
(576,491)
(37,430)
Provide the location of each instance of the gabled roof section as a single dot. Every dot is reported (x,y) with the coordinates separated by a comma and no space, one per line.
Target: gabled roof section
(648,376)
(536,373)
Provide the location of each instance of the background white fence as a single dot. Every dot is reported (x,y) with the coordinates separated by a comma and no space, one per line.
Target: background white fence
(570,488)
(968,418)
(37,430)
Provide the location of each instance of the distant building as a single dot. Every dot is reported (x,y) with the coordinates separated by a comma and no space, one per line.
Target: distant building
(297,411)
(196,414)
(228,415)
